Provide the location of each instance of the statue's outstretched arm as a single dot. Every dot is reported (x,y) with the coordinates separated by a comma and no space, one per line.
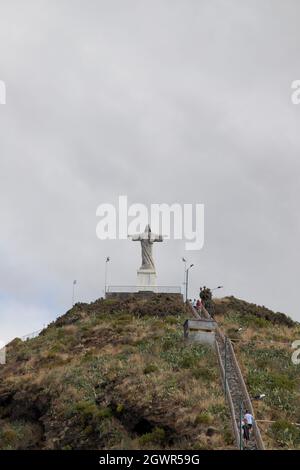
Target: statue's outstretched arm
(157,238)
(135,238)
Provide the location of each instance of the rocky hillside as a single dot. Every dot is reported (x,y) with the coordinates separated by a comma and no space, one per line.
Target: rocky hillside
(262,340)
(117,374)
(113,374)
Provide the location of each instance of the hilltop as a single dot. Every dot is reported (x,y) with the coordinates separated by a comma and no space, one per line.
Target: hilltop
(117,373)
(113,374)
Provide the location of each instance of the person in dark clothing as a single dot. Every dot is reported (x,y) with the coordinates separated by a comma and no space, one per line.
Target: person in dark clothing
(246,432)
(206,297)
(248,418)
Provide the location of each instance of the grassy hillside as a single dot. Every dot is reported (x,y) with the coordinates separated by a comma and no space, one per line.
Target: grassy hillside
(113,374)
(263,348)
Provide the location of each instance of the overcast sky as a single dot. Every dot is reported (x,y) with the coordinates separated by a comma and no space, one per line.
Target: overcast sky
(162,101)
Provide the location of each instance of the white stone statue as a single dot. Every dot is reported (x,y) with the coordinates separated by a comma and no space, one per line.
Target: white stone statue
(147,238)
(146,273)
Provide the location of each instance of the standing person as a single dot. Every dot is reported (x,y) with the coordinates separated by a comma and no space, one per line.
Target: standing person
(198,304)
(248,418)
(202,295)
(246,432)
(194,303)
(206,298)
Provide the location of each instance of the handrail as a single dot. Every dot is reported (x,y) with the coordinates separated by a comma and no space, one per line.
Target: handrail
(246,397)
(228,392)
(229,397)
(256,430)
(193,311)
(133,289)
(32,335)
(258,438)
(205,312)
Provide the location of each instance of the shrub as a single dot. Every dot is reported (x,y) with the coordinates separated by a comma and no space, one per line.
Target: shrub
(104,413)
(8,438)
(282,381)
(150,368)
(218,409)
(51,359)
(228,436)
(249,313)
(185,357)
(285,433)
(203,373)
(120,408)
(233,334)
(203,418)
(23,356)
(270,381)
(88,430)
(89,412)
(172,320)
(157,436)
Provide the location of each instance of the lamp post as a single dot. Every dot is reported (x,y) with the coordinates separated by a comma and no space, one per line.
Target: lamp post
(73,293)
(105,276)
(218,287)
(187,281)
(184,261)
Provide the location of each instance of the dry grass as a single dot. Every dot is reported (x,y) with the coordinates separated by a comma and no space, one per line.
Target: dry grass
(111,375)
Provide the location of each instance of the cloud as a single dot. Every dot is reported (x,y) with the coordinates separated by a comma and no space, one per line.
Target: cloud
(165,102)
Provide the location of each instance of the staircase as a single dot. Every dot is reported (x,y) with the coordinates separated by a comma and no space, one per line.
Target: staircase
(234,387)
(237,392)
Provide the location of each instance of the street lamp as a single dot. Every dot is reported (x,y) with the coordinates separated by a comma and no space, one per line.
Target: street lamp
(73,294)
(184,261)
(105,276)
(187,281)
(218,287)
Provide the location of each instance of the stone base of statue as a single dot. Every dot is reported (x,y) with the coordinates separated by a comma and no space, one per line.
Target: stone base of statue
(146,280)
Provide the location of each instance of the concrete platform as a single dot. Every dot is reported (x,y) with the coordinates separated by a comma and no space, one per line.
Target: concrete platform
(200,331)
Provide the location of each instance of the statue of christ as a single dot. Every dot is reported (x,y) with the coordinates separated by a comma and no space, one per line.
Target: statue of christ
(147,238)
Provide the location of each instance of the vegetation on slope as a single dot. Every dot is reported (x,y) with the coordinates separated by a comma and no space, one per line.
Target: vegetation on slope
(113,374)
(263,347)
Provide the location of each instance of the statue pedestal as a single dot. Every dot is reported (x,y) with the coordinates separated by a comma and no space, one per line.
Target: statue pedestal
(146,280)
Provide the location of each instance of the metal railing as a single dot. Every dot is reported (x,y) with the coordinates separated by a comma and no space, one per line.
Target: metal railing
(193,311)
(32,335)
(205,315)
(243,387)
(136,289)
(258,438)
(229,398)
